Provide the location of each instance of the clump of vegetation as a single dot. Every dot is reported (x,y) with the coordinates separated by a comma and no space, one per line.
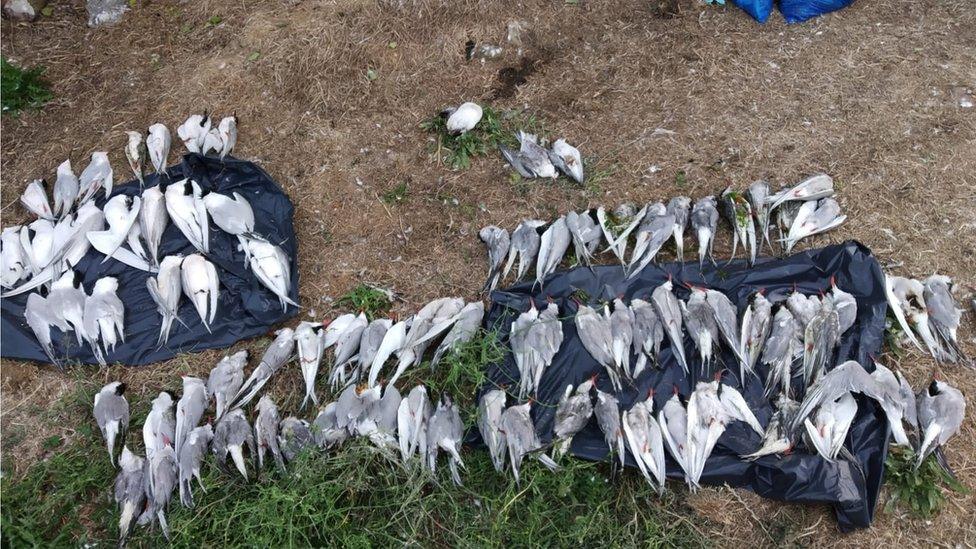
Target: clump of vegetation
(495,128)
(396,194)
(372,301)
(22,89)
(919,490)
(464,367)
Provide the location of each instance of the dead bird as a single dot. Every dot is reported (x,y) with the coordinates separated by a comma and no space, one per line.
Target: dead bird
(566,158)
(814,218)
(226,379)
(941,409)
(757,323)
(648,334)
(521,438)
(668,309)
(524,246)
(573,412)
(607,412)
(597,338)
(704,221)
(497,244)
(944,315)
(654,231)
(779,351)
(701,326)
(294,436)
(552,247)
(738,213)
(646,441)
(130,491)
(266,429)
(412,418)
(586,233)
(325,429)
(531,160)
(758,197)
(462,119)
(680,208)
(191,456)
(490,409)
(275,356)
(444,432)
(111,413)
(231,435)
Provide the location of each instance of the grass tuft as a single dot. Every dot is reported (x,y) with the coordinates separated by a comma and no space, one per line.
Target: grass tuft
(372,301)
(918,490)
(495,128)
(22,89)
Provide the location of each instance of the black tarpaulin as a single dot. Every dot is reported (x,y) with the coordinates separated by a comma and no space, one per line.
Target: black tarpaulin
(800,477)
(245,308)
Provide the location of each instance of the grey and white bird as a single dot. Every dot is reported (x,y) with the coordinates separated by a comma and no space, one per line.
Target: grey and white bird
(680,208)
(370,342)
(336,327)
(104,318)
(184,203)
(531,160)
(617,228)
(14,265)
(521,439)
(444,432)
(429,322)
(552,247)
(353,407)
(654,231)
(232,214)
(711,408)
(829,426)
(190,461)
(231,435)
(153,219)
(758,196)
(464,329)
(497,244)
(704,221)
(121,212)
(325,430)
(523,353)
(738,213)
(41,315)
(190,408)
(393,341)
(845,304)
(810,189)
(193,132)
(266,430)
(347,346)
(573,412)
(820,338)
(596,336)
(129,491)
(96,175)
(545,337)
(111,413)
(646,441)
(227,128)
(34,199)
(524,247)
(66,187)
(275,356)
(158,143)
(159,428)
(906,300)
(586,234)
(212,142)
(607,412)
(412,418)
(294,435)
(848,377)
(941,409)
(163,480)
(271,265)
(757,324)
(67,298)
(137,153)
(814,218)
(779,438)
(726,320)
(673,420)
(166,289)
(621,336)
(944,315)
(700,322)
(201,286)
(804,308)
(648,334)
(566,158)
(309,339)
(899,403)
(491,407)
(462,119)
(668,310)
(225,380)
(381,422)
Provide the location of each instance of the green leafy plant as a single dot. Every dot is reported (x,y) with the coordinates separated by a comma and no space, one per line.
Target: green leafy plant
(22,89)
(464,366)
(918,489)
(396,194)
(372,301)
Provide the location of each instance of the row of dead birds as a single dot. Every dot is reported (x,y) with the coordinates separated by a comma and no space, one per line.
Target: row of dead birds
(176,443)
(803,210)
(44,253)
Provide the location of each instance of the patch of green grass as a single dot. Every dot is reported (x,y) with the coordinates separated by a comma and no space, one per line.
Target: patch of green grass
(893,336)
(595,178)
(22,89)
(494,128)
(396,194)
(918,490)
(464,367)
(372,301)
(680,179)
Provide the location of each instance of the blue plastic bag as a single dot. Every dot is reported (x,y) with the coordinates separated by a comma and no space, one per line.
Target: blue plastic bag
(758,9)
(797,11)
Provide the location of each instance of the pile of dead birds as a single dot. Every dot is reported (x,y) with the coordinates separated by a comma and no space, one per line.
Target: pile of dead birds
(803,210)
(176,444)
(45,252)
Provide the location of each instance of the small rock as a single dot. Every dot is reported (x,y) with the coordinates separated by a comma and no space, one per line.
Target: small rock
(105,12)
(23,10)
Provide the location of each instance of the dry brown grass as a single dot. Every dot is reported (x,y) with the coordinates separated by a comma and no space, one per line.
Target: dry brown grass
(863,94)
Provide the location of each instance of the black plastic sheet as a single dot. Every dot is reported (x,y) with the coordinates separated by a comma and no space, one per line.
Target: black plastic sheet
(800,477)
(245,308)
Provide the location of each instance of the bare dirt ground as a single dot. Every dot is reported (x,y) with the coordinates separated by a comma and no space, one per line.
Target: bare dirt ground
(865,95)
